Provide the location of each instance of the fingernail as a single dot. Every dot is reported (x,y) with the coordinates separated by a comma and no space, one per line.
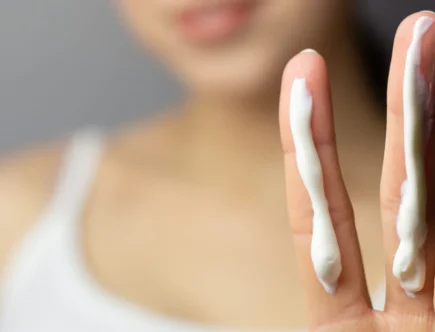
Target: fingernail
(308,50)
(427,11)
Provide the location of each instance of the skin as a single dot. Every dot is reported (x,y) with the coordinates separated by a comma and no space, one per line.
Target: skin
(205,236)
(349,309)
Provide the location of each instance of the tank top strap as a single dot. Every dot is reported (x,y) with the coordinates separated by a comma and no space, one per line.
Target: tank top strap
(77,172)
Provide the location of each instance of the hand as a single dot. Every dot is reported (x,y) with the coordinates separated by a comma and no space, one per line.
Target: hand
(349,309)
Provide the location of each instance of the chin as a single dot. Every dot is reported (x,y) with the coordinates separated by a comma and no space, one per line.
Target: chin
(239,79)
(237,88)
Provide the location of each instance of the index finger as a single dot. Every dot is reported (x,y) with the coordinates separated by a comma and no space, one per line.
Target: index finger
(307,73)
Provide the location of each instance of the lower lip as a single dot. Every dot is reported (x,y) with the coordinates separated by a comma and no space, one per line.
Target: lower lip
(202,26)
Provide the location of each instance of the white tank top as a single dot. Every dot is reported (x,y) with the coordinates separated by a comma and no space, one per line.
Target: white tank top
(46,287)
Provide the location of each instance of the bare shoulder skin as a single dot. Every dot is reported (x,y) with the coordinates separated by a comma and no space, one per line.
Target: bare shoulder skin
(27,180)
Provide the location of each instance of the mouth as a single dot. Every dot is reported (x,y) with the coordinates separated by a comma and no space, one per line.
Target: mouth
(215,21)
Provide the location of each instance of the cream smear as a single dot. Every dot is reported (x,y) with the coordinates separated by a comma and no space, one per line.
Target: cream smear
(409,264)
(325,253)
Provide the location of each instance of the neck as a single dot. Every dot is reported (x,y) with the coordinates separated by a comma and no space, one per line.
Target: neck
(240,126)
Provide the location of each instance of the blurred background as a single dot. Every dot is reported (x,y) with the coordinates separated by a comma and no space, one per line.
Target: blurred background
(64,64)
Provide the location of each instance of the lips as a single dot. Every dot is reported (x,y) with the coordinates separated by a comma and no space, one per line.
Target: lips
(215,21)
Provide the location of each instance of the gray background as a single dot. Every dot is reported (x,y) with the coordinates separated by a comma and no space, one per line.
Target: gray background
(65,63)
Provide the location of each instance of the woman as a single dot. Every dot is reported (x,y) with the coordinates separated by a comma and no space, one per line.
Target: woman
(181,224)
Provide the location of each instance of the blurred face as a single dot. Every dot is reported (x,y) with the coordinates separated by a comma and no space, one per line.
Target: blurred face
(231,47)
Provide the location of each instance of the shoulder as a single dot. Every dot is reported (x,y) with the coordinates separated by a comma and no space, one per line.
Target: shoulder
(27,179)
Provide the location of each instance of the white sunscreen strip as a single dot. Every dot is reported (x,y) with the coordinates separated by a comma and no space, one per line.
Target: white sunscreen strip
(409,265)
(325,253)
